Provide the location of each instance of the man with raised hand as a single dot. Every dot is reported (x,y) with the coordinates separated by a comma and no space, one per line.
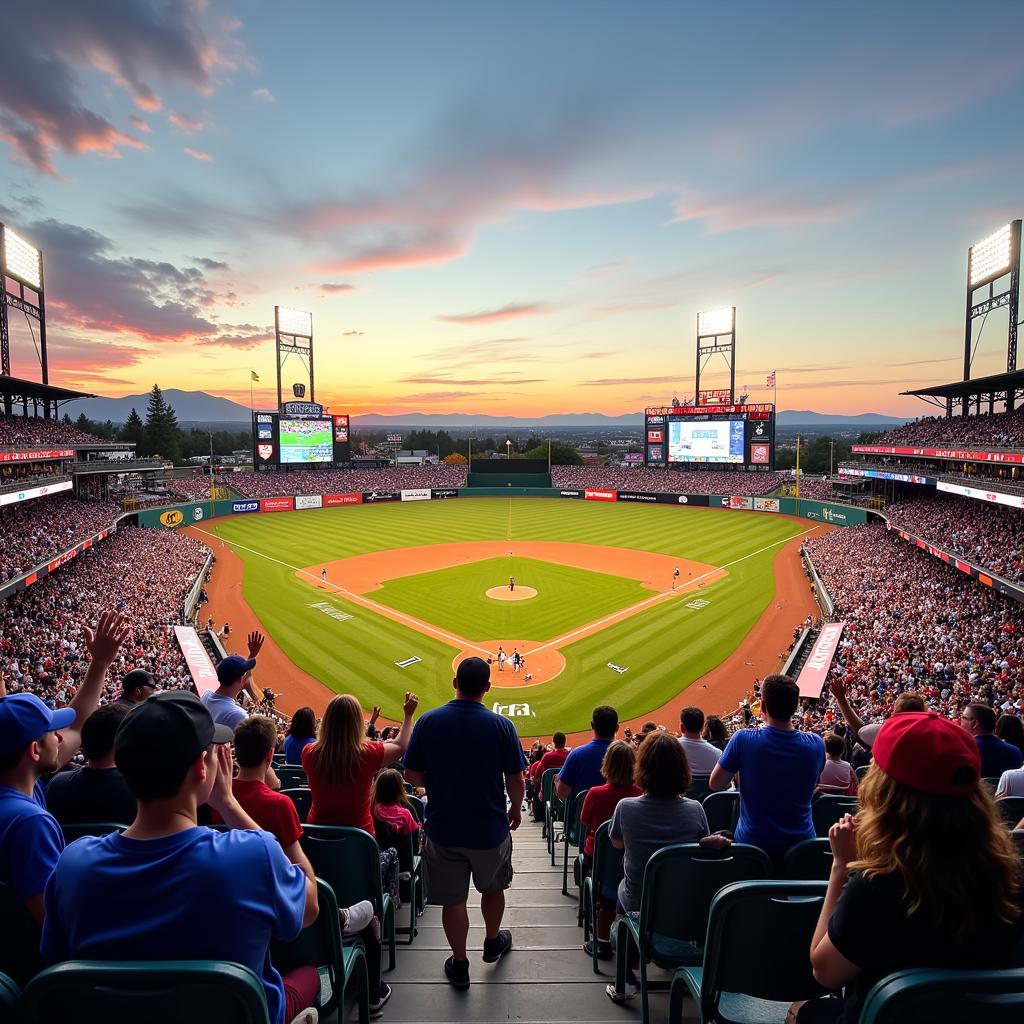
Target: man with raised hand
(467,757)
(234,674)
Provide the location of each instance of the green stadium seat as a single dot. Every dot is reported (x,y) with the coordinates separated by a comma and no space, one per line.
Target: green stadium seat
(292,776)
(755,957)
(10,996)
(92,828)
(862,771)
(1011,809)
(680,883)
(410,863)
(418,808)
(699,787)
(157,992)
(952,997)
(809,861)
(19,938)
(321,946)
(302,797)
(572,833)
(828,809)
(722,810)
(348,859)
(606,873)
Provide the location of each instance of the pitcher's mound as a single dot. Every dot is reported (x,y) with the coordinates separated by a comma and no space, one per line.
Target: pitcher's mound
(504,594)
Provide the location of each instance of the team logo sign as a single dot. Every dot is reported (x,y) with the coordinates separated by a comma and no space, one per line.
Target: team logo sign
(265,451)
(171,518)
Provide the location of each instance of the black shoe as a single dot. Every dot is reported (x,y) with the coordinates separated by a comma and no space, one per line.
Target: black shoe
(496,948)
(457,972)
(604,949)
(377,1008)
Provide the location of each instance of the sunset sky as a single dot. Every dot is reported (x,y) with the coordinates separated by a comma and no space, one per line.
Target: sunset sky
(511,207)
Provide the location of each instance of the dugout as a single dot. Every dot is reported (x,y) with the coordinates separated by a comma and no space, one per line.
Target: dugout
(509,473)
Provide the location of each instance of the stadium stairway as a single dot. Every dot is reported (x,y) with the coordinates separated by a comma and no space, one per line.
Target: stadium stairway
(546,978)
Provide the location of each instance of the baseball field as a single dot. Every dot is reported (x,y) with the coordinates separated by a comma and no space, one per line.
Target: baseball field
(379,599)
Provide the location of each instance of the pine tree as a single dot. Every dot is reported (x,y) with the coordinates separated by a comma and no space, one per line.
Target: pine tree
(134,431)
(162,434)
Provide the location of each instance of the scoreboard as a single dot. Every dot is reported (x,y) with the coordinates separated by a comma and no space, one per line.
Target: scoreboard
(301,434)
(710,437)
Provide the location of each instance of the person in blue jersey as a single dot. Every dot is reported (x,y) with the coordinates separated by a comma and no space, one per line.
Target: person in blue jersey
(168,889)
(301,732)
(582,768)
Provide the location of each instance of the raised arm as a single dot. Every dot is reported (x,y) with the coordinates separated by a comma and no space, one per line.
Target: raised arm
(853,720)
(395,748)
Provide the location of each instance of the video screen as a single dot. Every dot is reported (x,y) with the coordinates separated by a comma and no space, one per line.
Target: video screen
(706,441)
(306,441)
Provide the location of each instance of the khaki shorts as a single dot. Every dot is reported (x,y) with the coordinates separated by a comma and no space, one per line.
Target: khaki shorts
(447,870)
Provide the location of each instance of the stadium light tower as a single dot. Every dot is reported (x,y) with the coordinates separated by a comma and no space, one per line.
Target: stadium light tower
(293,334)
(21,287)
(988,261)
(716,335)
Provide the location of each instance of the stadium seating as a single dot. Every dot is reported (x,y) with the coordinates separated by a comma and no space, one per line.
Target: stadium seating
(10,997)
(302,797)
(999,430)
(604,877)
(572,833)
(673,481)
(809,861)
(828,809)
(30,431)
(343,481)
(98,828)
(722,810)
(953,997)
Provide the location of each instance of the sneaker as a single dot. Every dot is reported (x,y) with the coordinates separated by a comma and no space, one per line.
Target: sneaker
(308,1016)
(457,972)
(620,997)
(496,948)
(377,1008)
(604,949)
(357,917)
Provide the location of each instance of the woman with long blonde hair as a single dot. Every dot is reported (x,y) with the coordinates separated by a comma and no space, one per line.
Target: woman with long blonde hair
(924,876)
(341,764)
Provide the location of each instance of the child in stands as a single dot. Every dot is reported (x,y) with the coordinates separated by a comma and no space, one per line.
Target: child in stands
(393,816)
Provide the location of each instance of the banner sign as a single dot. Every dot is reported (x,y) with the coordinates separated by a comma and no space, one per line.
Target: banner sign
(314,409)
(960,454)
(308,501)
(444,492)
(982,494)
(655,436)
(633,458)
(265,451)
(761,454)
(735,501)
(200,668)
(334,500)
(244,506)
(811,680)
(416,494)
(276,504)
(635,496)
(594,495)
(372,496)
(570,494)
(12,497)
(766,505)
(179,515)
(37,454)
(884,474)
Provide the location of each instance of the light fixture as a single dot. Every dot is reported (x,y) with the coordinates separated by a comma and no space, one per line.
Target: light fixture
(716,321)
(294,321)
(989,258)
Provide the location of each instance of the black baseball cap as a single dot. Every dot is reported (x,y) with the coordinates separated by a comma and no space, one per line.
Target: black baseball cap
(165,734)
(136,679)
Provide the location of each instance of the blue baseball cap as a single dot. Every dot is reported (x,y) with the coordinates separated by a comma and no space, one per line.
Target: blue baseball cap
(25,718)
(233,667)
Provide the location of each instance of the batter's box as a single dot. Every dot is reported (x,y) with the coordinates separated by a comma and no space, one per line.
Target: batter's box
(698,603)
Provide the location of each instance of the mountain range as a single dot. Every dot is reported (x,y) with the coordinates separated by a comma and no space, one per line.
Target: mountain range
(199,407)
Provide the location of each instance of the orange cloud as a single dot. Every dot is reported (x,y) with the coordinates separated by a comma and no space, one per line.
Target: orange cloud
(197,154)
(183,122)
(512,311)
(405,253)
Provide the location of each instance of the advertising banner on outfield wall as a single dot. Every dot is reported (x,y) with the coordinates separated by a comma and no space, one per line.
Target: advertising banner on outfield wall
(594,495)
(416,494)
(766,505)
(37,454)
(277,504)
(636,496)
(444,492)
(568,493)
(308,501)
(238,507)
(334,500)
(735,501)
(12,497)
(811,680)
(374,496)
(200,668)
(179,515)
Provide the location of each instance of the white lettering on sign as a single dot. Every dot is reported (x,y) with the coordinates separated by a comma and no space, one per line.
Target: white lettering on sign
(618,668)
(335,613)
(513,710)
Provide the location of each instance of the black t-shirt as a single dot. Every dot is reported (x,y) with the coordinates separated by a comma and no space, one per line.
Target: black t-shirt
(870,928)
(90,795)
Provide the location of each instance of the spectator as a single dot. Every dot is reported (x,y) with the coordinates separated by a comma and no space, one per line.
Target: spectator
(837,776)
(997,756)
(175,758)
(1010,729)
(715,732)
(582,768)
(779,769)
(137,686)
(97,792)
(301,732)
(393,815)
(552,758)
(234,673)
(924,876)
(599,804)
(865,734)
(468,757)
(700,755)
(1011,783)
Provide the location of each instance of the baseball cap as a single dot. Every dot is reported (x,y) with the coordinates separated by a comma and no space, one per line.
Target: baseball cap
(136,679)
(166,732)
(924,751)
(24,718)
(233,667)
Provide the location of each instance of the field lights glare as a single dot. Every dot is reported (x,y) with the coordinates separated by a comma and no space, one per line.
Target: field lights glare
(22,260)
(294,321)
(716,321)
(990,257)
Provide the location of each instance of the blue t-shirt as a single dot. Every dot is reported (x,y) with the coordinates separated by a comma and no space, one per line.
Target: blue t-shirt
(582,768)
(997,756)
(30,841)
(779,770)
(465,751)
(293,749)
(194,895)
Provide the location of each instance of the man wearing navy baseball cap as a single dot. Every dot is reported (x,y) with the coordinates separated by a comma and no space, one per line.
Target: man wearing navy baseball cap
(234,674)
(34,742)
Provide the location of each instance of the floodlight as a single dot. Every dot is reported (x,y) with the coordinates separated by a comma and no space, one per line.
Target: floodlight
(989,258)
(294,321)
(716,321)
(23,261)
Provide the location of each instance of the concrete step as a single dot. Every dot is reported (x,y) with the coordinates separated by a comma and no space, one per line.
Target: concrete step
(558,935)
(528,894)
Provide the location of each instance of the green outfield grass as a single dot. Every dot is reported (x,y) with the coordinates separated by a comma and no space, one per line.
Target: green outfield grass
(663,648)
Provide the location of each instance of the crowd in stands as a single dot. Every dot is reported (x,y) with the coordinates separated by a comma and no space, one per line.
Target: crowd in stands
(999,430)
(35,531)
(990,536)
(36,432)
(344,481)
(672,481)
(28,474)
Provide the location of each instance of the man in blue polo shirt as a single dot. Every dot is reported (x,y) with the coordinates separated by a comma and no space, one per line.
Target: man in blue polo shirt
(582,768)
(468,757)
(778,768)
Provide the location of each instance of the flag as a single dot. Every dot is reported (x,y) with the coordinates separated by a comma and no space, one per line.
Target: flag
(771,379)
(253,375)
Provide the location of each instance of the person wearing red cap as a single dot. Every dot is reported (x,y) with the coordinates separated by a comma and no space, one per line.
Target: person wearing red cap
(925,875)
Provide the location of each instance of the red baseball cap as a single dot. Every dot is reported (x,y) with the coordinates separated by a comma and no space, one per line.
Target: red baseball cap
(924,751)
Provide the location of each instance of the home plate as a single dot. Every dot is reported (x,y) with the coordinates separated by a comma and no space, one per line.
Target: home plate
(504,594)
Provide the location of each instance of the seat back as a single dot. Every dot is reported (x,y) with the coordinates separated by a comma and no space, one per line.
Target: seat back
(679,884)
(722,810)
(862,771)
(1017,835)
(91,828)
(547,784)
(292,776)
(757,942)
(953,997)
(809,861)
(10,997)
(19,938)
(828,809)
(418,808)
(159,992)
(348,860)
(607,868)
(573,810)
(302,797)
(700,787)
(1011,809)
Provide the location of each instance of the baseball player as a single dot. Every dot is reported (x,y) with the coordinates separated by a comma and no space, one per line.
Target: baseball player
(502,658)
(511,583)
(675,576)
(323,575)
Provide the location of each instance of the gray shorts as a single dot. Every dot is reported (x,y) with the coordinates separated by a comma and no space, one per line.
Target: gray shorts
(447,869)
